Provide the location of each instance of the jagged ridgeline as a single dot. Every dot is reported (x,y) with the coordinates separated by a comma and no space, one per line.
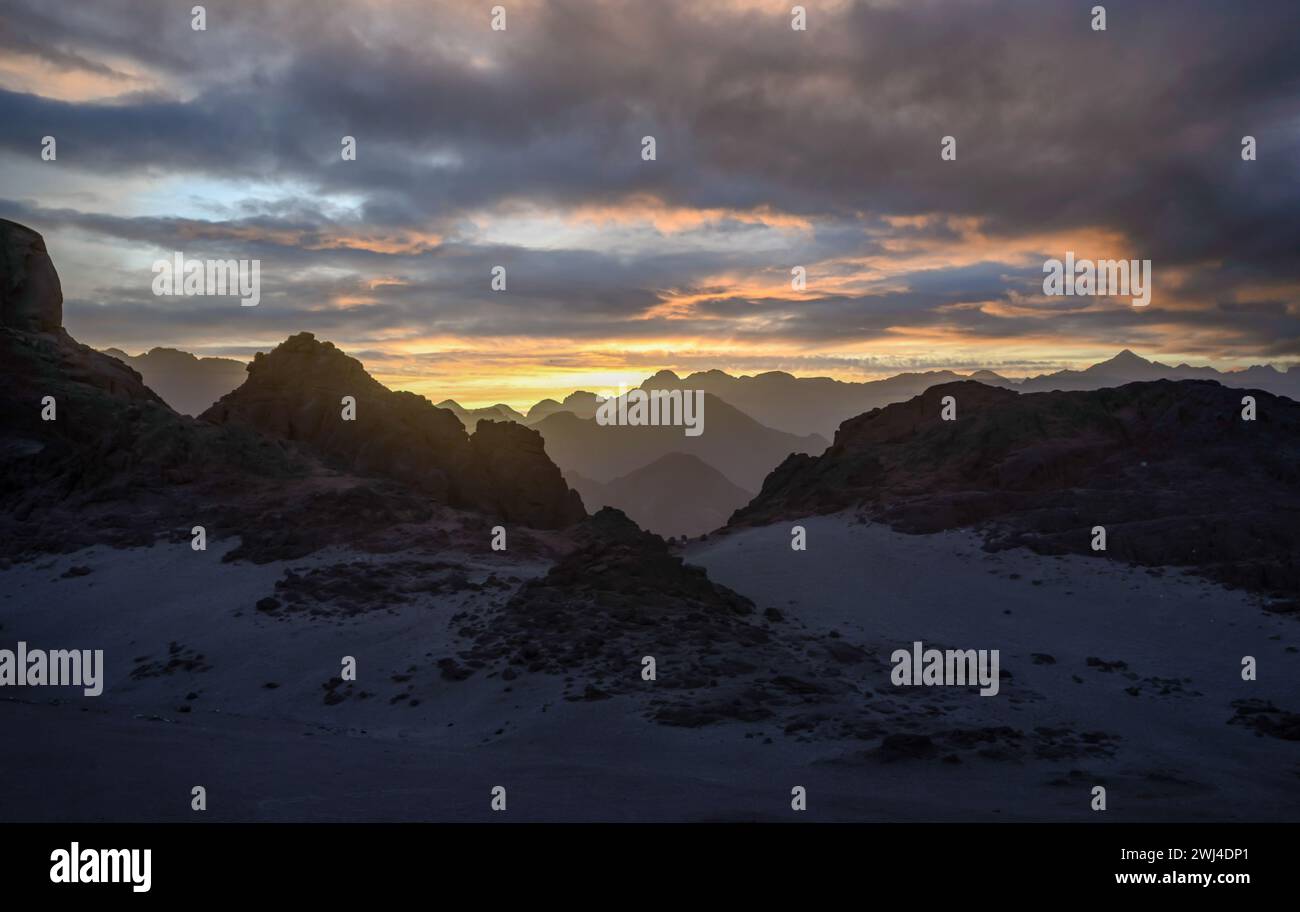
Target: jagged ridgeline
(77,421)
(1174,471)
(89,453)
(295,393)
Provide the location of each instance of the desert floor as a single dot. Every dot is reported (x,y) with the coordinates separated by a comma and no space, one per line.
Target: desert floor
(180,629)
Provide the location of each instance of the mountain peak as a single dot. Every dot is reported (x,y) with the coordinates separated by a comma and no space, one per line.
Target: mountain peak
(295,392)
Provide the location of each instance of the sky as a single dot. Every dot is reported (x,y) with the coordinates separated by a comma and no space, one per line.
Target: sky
(774,148)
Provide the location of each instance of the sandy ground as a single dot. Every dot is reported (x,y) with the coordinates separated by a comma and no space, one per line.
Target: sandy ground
(284,753)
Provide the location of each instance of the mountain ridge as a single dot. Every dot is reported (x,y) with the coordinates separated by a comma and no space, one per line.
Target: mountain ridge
(732,442)
(796,405)
(186,382)
(1168,467)
(297,391)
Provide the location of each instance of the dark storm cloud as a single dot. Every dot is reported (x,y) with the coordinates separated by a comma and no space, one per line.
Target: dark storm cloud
(1059,128)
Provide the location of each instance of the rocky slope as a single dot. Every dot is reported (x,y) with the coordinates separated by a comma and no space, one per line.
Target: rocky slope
(88,453)
(117,466)
(296,393)
(1170,470)
(623,595)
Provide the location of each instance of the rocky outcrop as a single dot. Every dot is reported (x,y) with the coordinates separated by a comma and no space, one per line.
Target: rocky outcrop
(88,453)
(1169,468)
(72,416)
(296,393)
(620,595)
(91,455)
(517,480)
(31,299)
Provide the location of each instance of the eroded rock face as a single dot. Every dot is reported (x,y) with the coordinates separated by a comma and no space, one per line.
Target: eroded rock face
(296,393)
(1169,468)
(107,427)
(520,482)
(31,299)
(89,454)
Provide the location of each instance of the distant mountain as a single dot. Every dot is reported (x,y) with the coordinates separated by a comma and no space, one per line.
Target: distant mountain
(542,409)
(580,403)
(1126,367)
(471,417)
(1168,468)
(801,405)
(733,443)
(677,494)
(186,383)
(990,378)
(295,393)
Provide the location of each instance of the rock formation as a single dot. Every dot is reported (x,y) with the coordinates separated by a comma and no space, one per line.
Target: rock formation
(31,299)
(1169,468)
(116,465)
(296,393)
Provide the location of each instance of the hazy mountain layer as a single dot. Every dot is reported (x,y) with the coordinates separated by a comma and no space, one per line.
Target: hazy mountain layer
(1127,367)
(796,405)
(186,383)
(733,443)
(471,417)
(803,405)
(677,494)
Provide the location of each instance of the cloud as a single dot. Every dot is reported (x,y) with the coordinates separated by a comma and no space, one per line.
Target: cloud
(775,148)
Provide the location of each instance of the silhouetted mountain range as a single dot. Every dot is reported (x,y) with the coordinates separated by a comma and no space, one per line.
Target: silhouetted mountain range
(89,453)
(795,405)
(732,443)
(471,417)
(1126,367)
(580,403)
(186,383)
(802,405)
